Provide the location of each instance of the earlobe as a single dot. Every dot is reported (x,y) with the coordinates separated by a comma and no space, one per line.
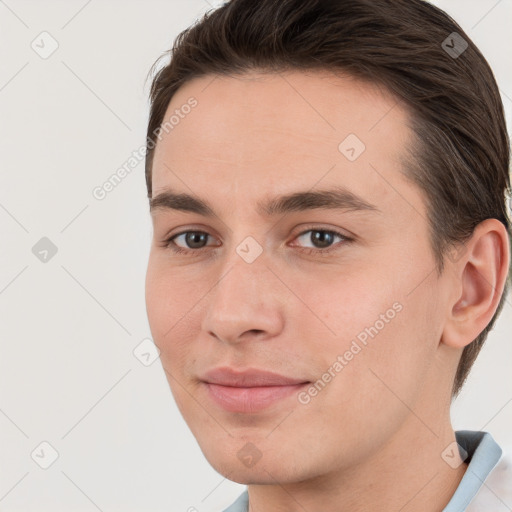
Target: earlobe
(479,278)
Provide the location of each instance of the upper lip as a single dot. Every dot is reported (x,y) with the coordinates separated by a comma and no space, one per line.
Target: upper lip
(251,377)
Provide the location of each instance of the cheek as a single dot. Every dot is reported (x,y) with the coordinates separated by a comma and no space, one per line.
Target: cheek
(381,339)
(173,306)
(162,306)
(164,311)
(158,306)
(168,296)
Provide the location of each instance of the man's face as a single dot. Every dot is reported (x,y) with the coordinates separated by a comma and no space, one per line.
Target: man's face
(277,291)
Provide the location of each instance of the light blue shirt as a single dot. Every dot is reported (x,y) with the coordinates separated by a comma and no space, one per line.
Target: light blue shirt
(483,455)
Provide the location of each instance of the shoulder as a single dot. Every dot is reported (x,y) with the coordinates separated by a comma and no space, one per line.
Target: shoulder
(496,491)
(240,505)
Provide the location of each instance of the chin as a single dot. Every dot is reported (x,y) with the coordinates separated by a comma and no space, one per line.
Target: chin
(262,472)
(249,477)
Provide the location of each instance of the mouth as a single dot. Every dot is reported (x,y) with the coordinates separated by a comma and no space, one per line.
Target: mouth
(250,399)
(249,391)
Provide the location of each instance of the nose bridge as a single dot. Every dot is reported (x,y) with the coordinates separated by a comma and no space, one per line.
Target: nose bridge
(243,271)
(247,253)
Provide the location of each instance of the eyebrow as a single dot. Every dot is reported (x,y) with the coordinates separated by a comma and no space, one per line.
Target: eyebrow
(336,198)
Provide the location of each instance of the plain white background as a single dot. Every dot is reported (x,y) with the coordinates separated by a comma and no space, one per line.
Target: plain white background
(69,325)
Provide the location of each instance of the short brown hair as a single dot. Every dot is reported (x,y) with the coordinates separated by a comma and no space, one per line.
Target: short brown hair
(461,156)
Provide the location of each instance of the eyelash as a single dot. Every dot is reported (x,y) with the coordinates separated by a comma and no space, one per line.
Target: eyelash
(169,243)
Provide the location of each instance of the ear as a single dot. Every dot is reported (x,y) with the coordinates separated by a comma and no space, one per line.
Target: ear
(479,274)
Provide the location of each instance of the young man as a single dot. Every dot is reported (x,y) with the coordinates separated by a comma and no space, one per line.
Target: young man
(331,246)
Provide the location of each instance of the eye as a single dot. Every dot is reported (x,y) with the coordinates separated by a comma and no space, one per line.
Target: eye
(322,240)
(196,241)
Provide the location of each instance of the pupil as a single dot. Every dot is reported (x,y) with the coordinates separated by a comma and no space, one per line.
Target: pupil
(320,236)
(195,237)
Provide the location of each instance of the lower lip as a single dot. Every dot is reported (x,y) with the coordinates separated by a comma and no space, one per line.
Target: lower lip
(250,400)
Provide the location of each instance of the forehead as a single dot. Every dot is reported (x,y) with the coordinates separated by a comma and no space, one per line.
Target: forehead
(261,134)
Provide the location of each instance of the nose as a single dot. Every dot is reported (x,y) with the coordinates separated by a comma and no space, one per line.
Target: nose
(245,303)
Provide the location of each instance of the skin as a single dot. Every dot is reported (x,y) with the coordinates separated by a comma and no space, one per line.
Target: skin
(373,438)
